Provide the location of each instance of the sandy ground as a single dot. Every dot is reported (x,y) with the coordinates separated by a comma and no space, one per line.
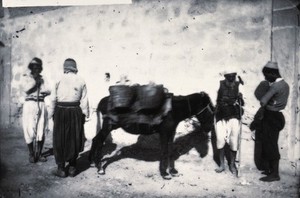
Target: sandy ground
(133,171)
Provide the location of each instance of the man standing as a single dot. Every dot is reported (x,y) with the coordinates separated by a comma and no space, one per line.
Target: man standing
(71,109)
(256,125)
(34,110)
(273,102)
(228,115)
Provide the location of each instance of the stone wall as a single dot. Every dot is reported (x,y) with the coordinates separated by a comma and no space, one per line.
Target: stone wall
(185,45)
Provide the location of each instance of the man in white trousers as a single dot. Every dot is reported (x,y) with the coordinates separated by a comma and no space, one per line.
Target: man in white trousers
(34,109)
(228,116)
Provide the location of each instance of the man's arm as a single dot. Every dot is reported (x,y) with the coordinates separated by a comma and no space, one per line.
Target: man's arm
(266,98)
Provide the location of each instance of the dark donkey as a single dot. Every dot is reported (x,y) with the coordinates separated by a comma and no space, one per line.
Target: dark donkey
(183,107)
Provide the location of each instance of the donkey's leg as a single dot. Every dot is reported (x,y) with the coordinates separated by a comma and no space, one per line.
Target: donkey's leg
(95,141)
(167,158)
(99,126)
(173,170)
(98,140)
(163,164)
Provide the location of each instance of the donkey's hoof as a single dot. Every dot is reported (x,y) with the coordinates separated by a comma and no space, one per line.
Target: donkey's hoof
(167,177)
(174,172)
(92,164)
(101,172)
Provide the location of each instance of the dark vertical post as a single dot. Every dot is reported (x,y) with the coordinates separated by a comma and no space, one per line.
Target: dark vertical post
(271,36)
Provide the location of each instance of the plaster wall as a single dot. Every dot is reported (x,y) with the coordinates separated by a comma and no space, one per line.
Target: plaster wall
(184,45)
(5,78)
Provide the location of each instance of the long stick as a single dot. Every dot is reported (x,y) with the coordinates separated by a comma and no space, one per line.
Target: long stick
(37,123)
(240,139)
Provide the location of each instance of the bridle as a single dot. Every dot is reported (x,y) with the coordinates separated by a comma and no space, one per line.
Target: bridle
(206,107)
(202,110)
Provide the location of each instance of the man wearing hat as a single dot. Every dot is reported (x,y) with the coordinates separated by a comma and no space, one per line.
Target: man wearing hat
(71,108)
(34,110)
(272,121)
(256,125)
(228,115)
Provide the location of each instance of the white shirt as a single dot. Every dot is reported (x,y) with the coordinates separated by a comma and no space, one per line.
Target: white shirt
(71,88)
(28,82)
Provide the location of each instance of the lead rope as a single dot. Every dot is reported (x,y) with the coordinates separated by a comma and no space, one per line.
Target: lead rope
(37,123)
(207,106)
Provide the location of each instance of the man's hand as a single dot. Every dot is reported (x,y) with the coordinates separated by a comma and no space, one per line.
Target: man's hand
(45,93)
(87,118)
(39,81)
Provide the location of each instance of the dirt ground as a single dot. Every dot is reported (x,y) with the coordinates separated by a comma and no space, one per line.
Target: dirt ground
(133,171)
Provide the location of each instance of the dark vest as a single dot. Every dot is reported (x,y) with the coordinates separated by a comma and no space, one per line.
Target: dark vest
(227,107)
(228,95)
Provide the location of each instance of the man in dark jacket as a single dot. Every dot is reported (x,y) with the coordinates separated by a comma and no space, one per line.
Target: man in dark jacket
(228,116)
(256,125)
(273,102)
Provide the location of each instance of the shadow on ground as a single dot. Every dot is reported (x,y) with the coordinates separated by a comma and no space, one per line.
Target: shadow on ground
(147,148)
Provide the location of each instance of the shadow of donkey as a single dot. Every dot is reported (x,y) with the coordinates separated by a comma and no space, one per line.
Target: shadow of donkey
(147,147)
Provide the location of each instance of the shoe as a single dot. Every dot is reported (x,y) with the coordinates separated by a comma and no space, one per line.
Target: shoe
(60,173)
(42,159)
(72,171)
(220,169)
(31,159)
(270,178)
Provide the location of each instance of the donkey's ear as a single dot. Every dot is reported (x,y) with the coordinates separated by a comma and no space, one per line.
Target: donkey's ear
(202,93)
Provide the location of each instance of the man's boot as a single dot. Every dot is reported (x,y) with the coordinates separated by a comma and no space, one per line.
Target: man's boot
(222,163)
(31,154)
(40,158)
(274,176)
(232,166)
(60,172)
